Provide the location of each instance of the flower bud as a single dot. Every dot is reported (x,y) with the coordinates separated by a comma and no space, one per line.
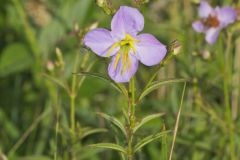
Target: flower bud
(76,27)
(176,47)
(60,61)
(106,6)
(205,54)
(196,1)
(93,26)
(140,2)
(50,66)
(100,3)
(194,53)
(3,157)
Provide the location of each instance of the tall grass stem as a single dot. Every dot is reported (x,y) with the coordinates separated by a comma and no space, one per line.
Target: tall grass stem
(177,122)
(226,85)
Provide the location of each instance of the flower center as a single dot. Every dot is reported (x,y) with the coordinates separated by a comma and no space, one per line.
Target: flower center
(211,21)
(125,45)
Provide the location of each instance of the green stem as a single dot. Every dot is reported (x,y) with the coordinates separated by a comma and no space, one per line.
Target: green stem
(133,102)
(72,102)
(72,114)
(56,135)
(227,76)
(131,114)
(236,81)
(53,93)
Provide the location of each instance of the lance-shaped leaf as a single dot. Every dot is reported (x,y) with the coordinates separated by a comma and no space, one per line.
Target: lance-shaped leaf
(155,85)
(115,121)
(109,146)
(148,139)
(120,87)
(147,119)
(93,131)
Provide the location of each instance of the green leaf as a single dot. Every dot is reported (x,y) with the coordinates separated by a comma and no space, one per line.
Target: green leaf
(120,87)
(149,139)
(93,131)
(147,119)
(155,85)
(115,121)
(14,58)
(109,146)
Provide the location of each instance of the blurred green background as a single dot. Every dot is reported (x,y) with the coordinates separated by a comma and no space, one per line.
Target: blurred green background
(35,82)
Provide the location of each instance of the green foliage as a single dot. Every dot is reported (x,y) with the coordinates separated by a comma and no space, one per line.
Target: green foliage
(109,146)
(155,85)
(146,120)
(14,58)
(148,139)
(38,92)
(115,121)
(164,146)
(121,88)
(34,158)
(89,132)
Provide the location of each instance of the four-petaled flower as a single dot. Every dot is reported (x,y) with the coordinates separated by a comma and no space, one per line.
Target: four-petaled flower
(213,20)
(123,43)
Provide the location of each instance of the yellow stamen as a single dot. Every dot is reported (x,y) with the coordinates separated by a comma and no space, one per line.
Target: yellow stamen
(129,64)
(125,60)
(128,37)
(132,46)
(112,48)
(117,60)
(125,46)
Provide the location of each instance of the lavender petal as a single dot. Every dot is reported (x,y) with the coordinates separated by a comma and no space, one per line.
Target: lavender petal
(149,50)
(226,16)
(198,26)
(119,74)
(127,20)
(204,9)
(100,41)
(212,35)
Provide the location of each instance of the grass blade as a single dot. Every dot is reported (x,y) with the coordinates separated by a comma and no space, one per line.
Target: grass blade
(177,122)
